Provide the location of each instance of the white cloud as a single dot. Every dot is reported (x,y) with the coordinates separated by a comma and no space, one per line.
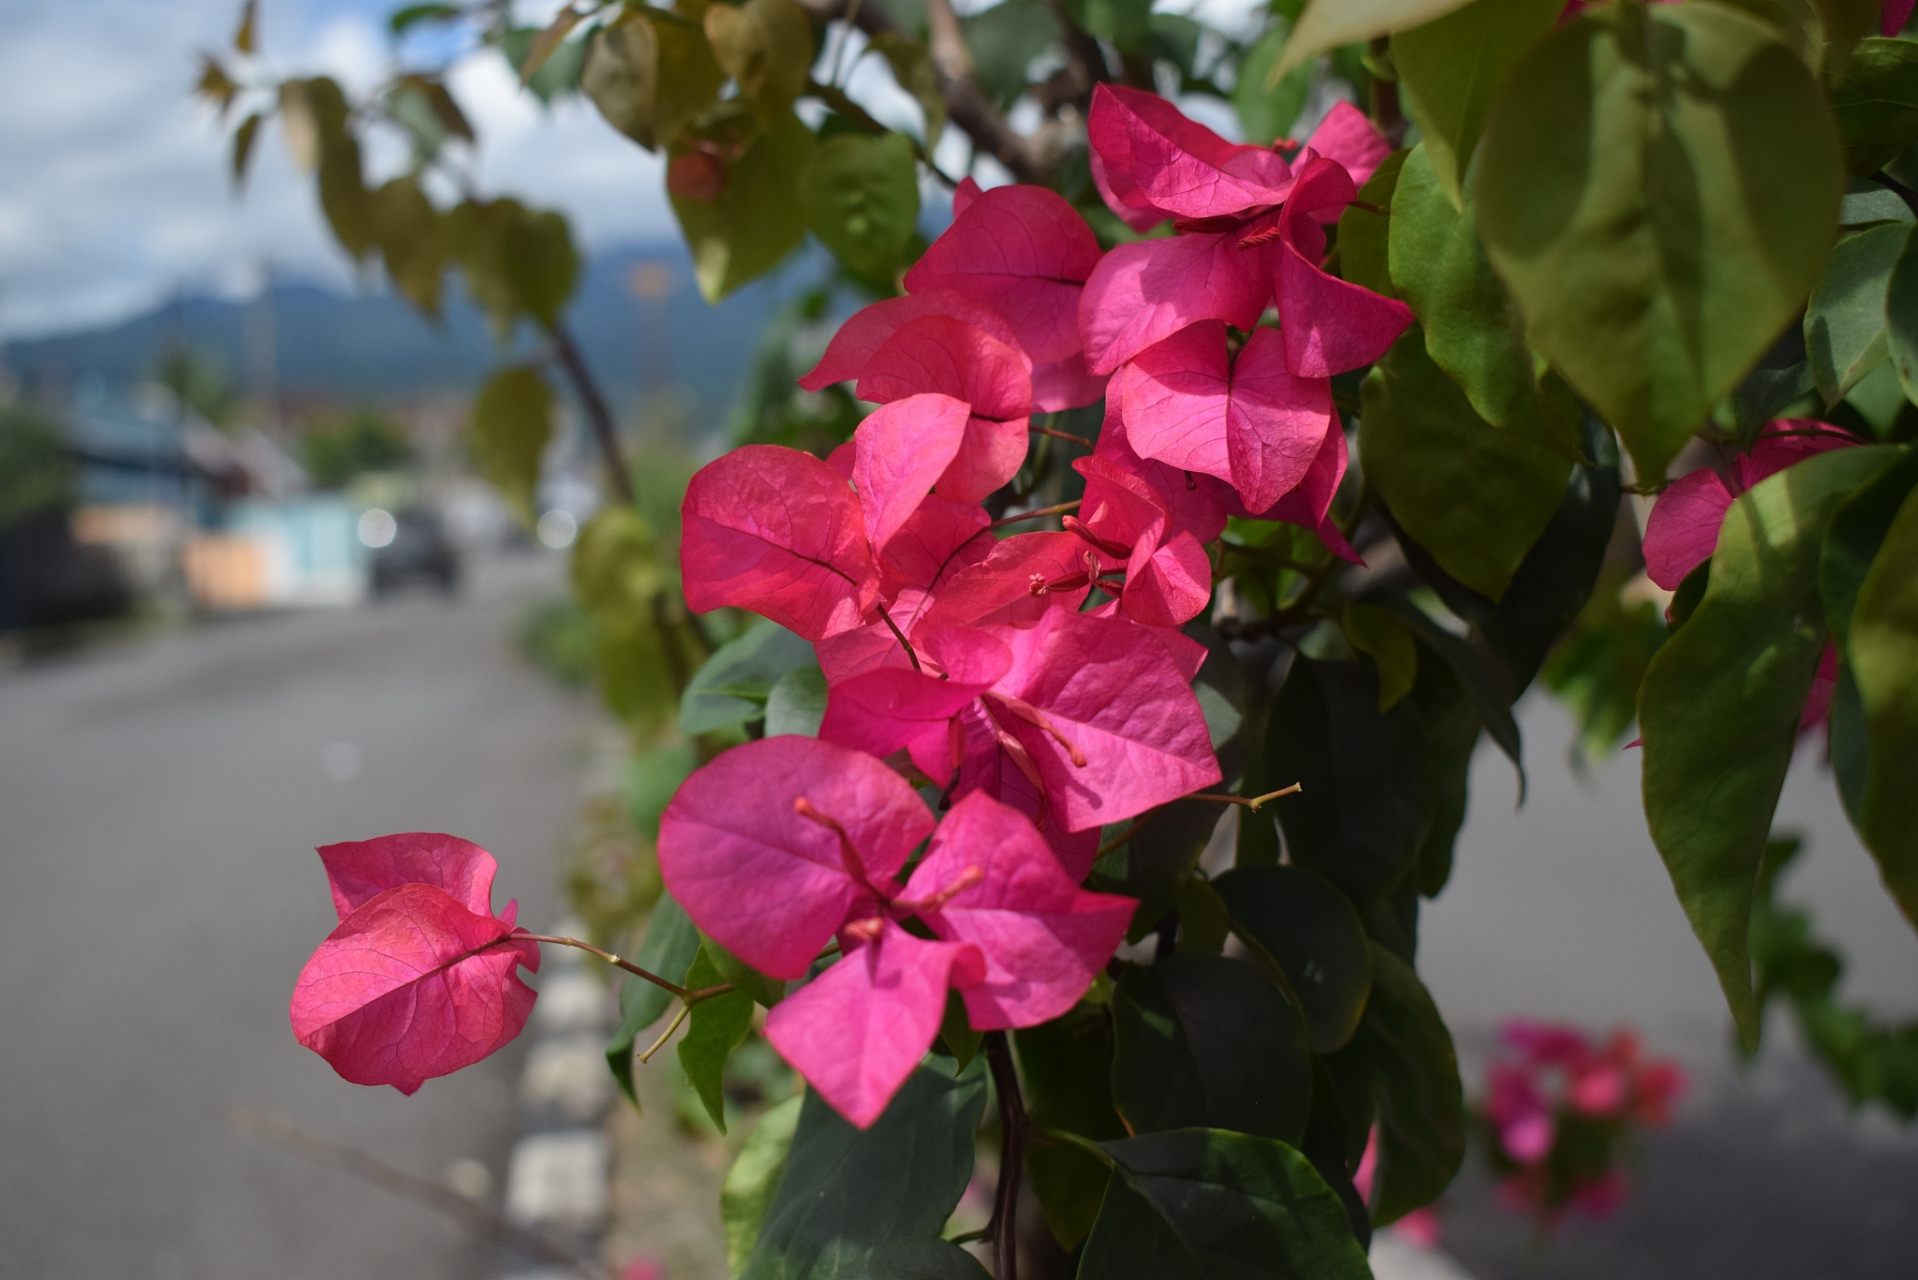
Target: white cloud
(113,184)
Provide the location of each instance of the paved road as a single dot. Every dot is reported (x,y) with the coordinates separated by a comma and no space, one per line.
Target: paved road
(159,803)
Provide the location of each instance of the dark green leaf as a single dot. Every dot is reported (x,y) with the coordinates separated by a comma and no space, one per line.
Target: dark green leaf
(1267,114)
(1363,810)
(1720,704)
(1857,530)
(960,1041)
(1220,689)
(861,196)
(1452,722)
(651,780)
(756,219)
(1901,317)
(1876,104)
(1203,920)
(736,681)
(1421,1104)
(1845,320)
(1884,660)
(1474,496)
(717,1026)
(754,1178)
(1850,747)
(849,1199)
(1123,23)
(1382,636)
(1005,39)
(745,979)
(1659,187)
(1335,1141)
(1871,204)
(1310,931)
(518,261)
(1208,1042)
(671,945)
(796,703)
(511,423)
(1067,1068)
(1598,669)
(557,75)
(1155,862)
(1365,229)
(1199,1204)
(1449,71)
(1783,376)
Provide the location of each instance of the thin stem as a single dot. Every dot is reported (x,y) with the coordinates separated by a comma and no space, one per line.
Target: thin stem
(1056,434)
(690,997)
(1255,804)
(604,430)
(1125,835)
(911,655)
(1041,513)
(667,1034)
(1004,1227)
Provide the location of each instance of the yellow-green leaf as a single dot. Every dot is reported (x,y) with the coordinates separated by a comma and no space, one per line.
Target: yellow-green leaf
(756,219)
(1328,24)
(243,147)
(912,67)
(412,240)
(766,45)
(1658,186)
(754,1178)
(861,197)
(548,40)
(511,422)
(243,35)
(650,79)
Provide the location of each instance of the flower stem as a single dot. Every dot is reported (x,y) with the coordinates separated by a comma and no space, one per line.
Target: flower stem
(1035,515)
(1255,804)
(690,997)
(1057,434)
(667,1034)
(1003,1230)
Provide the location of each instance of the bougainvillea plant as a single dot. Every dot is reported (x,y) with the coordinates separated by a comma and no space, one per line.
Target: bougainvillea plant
(1065,691)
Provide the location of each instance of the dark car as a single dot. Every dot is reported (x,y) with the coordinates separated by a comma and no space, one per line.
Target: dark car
(414,548)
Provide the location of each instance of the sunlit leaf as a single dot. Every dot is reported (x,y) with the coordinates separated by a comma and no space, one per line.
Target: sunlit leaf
(767,46)
(548,41)
(753,1180)
(670,947)
(1329,24)
(756,218)
(717,1026)
(861,197)
(650,79)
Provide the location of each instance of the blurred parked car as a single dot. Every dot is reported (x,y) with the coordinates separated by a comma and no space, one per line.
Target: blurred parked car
(408,546)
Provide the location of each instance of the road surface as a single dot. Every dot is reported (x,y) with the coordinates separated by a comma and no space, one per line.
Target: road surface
(159,805)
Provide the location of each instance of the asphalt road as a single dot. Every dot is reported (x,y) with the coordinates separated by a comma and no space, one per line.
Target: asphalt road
(159,804)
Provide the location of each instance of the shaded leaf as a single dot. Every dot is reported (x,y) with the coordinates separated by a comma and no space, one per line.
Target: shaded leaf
(1852,541)
(1066,1065)
(1901,317)
(912,67)
(1268,111)
(1876,104)
(855,1204)
(750,1184)
(1884,661)
(1721,701)
(1363,811)
(1203,919)
(956,1035)
(1383,637)
(518,261)
(1421,1104)
(796,703)
(861,197)
(1156,860)
(748,980)
(544,45)
(1365,228)
(671,945)
(1208,1205)
(1122,23)
(1845,319)
(650,79)
(717,1025)
(411,238)
(1208,1042)
(1658,186)
(1312,933)
(1450,70)
(736,681)
(511,422)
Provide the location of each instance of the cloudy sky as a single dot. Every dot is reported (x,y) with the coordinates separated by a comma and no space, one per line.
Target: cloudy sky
(113,188)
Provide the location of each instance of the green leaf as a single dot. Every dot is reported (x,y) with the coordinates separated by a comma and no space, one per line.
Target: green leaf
(1450,70)
(518,261)
(1658,186)
(344,198)
(736,681)
(1876,104)
(1598,669)
(616,569)
(1199,1204)
(766,45)
(854,1205)
(1311,932)
(1329,24)
(1067,1068)
(1005,39)
(861,196)
(1884,661)
(912,67)
(547,42)
(1477,498)
(1421,1104)
(1380,635)
(243,147)
(511,422)
(960,1041)
(749,981)
(557,74)
(1203,919)
(1720,705)
(1365,229)
(1268,113)
(1901,317)
(717,1026)
(671,945)
(796,703)
(1363,811)
(1123,23)
(404,20)
(1869,204)
(1156,860)
(1852,541)
(747,1193)
(650,79)
(757,218)
(1440,268)
(1208,1042)
(1845,320)
(412,240)
(1220,689)
(651,779)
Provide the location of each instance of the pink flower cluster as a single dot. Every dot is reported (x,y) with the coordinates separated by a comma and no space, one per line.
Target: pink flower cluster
(1556,1109)
(979,665)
